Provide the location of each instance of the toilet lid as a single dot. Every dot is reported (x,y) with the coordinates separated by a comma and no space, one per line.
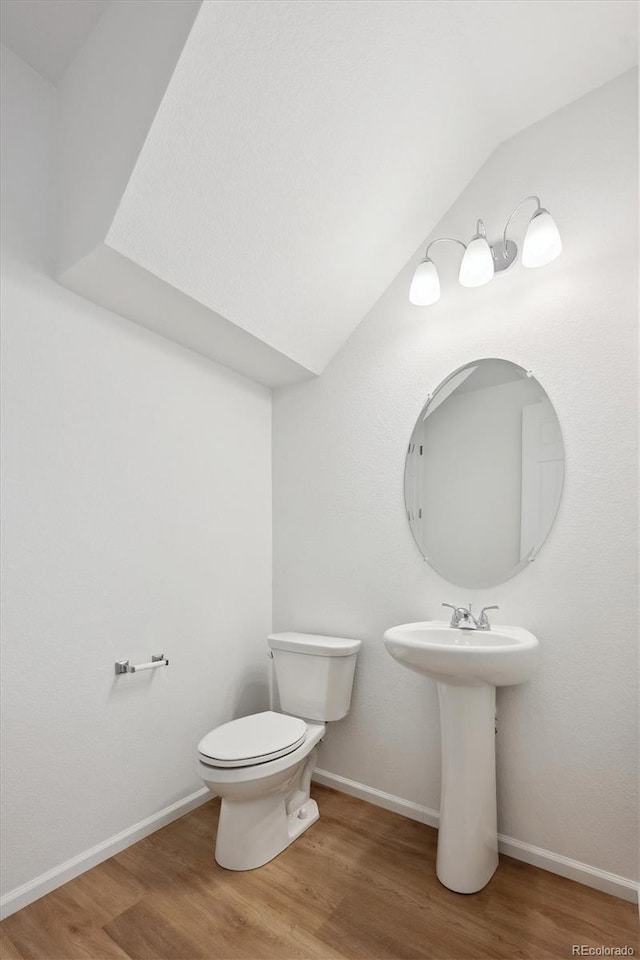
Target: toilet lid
(250,740)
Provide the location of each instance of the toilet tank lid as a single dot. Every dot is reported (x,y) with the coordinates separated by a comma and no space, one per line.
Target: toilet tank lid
(312,643)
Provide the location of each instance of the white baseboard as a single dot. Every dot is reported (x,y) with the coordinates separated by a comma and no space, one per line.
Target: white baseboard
(407,808)
(536,856)
(46,882)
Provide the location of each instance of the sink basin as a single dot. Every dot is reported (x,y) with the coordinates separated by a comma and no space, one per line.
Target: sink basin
(467,666)
(500,657)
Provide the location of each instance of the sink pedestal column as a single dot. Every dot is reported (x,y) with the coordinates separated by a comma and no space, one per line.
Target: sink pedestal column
(468,833)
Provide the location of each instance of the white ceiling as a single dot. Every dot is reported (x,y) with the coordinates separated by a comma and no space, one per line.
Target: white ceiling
(48,33)
(302,151)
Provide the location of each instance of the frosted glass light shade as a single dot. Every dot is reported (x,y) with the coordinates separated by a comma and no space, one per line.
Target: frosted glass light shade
(542,242)
(476,268)
(425,286)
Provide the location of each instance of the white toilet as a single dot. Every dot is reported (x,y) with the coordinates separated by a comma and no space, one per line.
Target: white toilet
(261,765)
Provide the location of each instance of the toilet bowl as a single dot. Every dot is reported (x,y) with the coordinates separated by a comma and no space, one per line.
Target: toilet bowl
(261,765)
(265,805)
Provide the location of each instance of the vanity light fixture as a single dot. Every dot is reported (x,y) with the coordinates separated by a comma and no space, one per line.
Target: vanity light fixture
(481,259)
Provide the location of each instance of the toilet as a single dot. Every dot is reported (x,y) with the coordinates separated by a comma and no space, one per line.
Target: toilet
(261,765)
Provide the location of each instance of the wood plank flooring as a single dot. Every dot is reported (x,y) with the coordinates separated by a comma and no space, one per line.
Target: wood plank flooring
(359,885)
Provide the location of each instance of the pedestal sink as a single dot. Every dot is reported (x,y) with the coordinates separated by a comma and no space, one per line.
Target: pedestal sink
(467,665)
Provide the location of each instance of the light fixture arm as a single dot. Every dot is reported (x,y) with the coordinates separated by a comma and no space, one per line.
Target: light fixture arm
(511,216)
(444,240)
(481,230)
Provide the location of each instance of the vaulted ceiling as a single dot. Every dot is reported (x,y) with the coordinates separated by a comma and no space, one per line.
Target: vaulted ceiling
(47,34)
(248,177)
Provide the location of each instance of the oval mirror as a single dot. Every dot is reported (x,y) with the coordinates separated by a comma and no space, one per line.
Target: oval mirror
(484,473)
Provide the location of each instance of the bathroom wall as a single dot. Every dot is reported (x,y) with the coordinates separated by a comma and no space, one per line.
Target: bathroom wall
(137,503)
(344,559)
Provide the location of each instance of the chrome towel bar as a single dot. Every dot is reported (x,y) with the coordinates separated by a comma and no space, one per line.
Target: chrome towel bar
(159,660)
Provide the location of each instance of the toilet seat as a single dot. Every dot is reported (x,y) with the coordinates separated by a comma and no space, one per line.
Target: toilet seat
(252,740)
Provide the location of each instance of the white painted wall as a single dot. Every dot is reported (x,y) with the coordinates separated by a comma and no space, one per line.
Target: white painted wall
(137,519)
(345,561)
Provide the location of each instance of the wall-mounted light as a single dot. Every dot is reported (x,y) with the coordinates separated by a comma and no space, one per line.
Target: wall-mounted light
(425,286)
(481,260)
(477,268)
(542,242)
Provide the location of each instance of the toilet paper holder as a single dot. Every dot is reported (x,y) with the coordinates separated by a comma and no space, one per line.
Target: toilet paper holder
(157,660)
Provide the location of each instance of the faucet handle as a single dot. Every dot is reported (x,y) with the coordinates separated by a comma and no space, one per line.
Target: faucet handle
(454,616)
(483,620)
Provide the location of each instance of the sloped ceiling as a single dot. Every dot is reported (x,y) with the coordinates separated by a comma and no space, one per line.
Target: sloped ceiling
(48,33)
(302,151)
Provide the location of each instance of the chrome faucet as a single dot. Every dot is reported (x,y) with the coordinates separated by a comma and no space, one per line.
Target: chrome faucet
(463,619)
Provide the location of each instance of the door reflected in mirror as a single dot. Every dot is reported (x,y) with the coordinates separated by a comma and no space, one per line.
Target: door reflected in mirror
(484,473)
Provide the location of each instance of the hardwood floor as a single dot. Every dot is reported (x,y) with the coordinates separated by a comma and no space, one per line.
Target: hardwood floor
(360,884)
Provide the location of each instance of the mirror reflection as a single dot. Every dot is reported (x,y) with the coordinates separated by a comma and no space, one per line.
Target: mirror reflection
(484,473)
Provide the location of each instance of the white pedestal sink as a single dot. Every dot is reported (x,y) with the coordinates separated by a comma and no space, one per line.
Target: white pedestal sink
(467,665)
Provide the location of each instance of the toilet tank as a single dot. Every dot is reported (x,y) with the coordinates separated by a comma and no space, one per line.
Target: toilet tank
(314,674)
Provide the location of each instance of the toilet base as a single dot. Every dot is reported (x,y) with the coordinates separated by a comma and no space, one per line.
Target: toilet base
(252,832)
(300,821)
(264,807)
